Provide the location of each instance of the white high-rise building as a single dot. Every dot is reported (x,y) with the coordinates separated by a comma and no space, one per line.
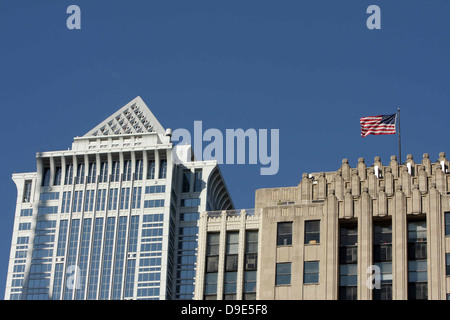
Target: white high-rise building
(114,217)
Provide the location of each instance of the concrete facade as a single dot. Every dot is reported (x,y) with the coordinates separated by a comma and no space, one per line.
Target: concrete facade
(390,218)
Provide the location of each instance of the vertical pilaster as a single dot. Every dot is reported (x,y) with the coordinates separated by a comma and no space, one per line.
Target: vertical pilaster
(399,254)
(435,247)
(364,245)
(332,246)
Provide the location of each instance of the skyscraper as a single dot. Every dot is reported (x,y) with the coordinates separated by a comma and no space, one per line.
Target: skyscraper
(114,217)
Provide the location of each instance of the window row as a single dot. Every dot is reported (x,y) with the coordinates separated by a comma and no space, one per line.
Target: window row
(102,173)
(283,273)
(285,232)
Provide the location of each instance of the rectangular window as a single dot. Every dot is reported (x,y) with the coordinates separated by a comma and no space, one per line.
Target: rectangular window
(89,201)
(311,272)
(127,170)
(25,226)
(211,286)
(69,175)
(72,247)
(27,191)
(47,210)
(163,169)
(113,195)
(124,198)
(212,252)
(139,170)
(101,199)
(62,238)
(57,180)
(94,271)
(45,177)
(189,216)
(77,201)
(348,258)
(231,251)
(447,264)
(115,174)
(251,250)
(155,189)
(283,274)
(447,223)
(382,257)
(151,170)
(103,172)
(229,286)
(194,202)
(26,212)
(312,231)
(417,260)
(186,183)
(65,206)
(157,203)
(249,285)
(284,233)
(108,253)
(198,182)
(80,174)
(136,204)
(212,265)
(83,258)
(47,196)
(92,172)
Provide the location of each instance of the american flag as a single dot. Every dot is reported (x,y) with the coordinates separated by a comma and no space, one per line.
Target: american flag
(384,124)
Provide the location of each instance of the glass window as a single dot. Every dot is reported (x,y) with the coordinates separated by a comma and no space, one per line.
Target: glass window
(312,231)
(92,172)
(139,170)
(186,185)
(27,191)
(46,177)
(198,182)
(447,264)
(163,169)
(80,174)
(210,286)
(249,285)
(447,223)
(103,172)
(284,233)
(69,174)
(283,274)
(232,243)
(311,272)
(127,170)
(65,207)
(57,180)
(229,286)
(151,169)
(115,174)
(136,204)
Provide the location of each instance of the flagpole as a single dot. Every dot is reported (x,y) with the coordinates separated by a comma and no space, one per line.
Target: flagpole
(399,139)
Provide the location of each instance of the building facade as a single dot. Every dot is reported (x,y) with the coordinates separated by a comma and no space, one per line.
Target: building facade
(376,232)
(114,217)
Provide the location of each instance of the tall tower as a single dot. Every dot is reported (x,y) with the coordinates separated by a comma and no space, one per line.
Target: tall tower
(114,217)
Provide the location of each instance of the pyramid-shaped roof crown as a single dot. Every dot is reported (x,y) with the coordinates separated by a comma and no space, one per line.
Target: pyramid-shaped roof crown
(133,118)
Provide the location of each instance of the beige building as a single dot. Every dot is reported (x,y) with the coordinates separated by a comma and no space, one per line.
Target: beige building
(379,231)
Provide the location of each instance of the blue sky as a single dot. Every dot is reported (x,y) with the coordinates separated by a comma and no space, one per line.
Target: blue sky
(308,68)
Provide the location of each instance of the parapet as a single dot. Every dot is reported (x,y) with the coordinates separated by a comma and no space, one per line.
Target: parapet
(377,178)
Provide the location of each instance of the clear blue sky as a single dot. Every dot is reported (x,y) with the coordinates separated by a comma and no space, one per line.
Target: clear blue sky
(308,68)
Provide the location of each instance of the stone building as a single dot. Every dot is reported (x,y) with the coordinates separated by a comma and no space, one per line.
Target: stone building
(369,232)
